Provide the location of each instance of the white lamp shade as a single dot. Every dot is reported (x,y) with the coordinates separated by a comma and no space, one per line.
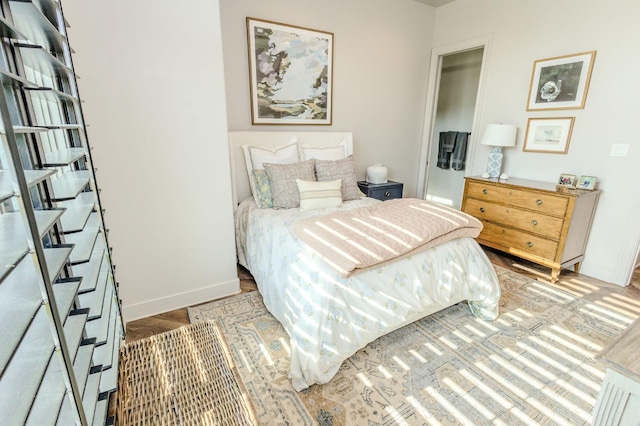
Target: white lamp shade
(499,135)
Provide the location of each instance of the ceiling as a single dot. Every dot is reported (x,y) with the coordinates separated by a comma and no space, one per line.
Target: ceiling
(434,3)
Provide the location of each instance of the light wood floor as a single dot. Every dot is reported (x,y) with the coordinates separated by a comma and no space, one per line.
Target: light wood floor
(170,320)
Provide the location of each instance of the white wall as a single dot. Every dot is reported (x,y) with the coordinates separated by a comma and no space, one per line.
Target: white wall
(152,78)
(525,31)
(381,57)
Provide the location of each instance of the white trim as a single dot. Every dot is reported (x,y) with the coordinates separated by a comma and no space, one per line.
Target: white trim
(630,249)
(432,101)
(180,300)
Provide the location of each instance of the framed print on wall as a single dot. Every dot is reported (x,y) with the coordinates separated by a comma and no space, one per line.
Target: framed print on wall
(290,73)
(548,135)
(561,82)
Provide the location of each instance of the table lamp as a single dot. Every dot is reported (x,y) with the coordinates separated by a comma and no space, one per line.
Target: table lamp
(497,136)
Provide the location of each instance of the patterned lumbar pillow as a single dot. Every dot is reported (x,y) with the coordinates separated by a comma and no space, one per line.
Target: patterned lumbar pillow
(282,177)
(319,195)
(263,188)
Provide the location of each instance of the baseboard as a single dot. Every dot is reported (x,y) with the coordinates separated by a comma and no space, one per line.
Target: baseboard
(180,300)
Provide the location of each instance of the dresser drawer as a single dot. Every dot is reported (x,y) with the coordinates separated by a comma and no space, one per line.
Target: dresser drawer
(544,203)
(528,221)
(519,240)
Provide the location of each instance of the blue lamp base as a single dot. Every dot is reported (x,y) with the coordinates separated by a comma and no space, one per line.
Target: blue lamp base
(495,162)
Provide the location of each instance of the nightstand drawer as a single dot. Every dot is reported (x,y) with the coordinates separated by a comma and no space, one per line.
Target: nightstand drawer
(533,222)
(381,191)
(545,203)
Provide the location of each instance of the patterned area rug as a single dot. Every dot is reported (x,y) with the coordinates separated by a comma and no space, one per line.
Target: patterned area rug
(533,365)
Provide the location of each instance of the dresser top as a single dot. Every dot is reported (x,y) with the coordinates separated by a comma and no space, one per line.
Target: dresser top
(533,184)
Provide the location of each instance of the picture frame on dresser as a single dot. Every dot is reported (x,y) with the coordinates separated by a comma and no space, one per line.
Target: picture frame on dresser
(561,82)
(586,182)
(290,73)
(566,180)
(548,135)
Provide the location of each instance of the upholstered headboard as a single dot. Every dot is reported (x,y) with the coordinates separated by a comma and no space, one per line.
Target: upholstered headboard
(272,140)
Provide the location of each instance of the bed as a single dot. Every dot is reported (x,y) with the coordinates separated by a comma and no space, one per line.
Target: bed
(330,313)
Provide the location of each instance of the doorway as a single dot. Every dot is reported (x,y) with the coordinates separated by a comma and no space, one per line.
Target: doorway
(456,82)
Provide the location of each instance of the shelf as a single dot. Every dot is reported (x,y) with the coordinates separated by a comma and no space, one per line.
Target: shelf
(91,271)
(63,157)
(35,26)
(49,94)
(20,299)
(50,396)
(93,299)
(84,241)
(62,126)
(65,292)
(17,389)
(36,176)
(6,187)
(90,398)
(109,381)
(14,242)
(73,328)
(8,78)
(82,365)
(103,355)
(69,185)
(56,257)
(83,245)
(7,30)
(67,415)
(78,211)
(46,218)
(99,328)
(38,59)
(102,407)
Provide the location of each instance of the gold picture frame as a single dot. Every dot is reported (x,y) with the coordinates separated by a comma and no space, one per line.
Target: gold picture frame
(561,82)
(290,73)
(550,135)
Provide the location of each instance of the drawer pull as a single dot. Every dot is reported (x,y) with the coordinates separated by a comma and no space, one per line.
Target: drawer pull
(387,193)
(481,209)
(534,222)
(484,191)
(539,202)
(529,244)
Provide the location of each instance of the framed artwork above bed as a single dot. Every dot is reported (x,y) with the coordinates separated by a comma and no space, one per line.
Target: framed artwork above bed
(290,73)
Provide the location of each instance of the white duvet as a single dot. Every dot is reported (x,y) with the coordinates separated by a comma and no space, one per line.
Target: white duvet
(329,317)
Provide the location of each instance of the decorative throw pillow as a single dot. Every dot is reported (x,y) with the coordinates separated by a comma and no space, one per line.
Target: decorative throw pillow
(340,169)
(255,157)
(263,188)
(332,153)
(319,195)
(282,177)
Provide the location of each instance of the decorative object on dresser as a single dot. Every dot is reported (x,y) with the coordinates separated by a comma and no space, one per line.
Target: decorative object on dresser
(290,73)
(498,135)
(566,181)
(561,82)
(586,182)
(376,173)
(381,191)
(551,135)
(532,220)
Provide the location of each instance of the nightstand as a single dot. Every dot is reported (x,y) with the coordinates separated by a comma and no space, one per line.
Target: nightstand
(381,191)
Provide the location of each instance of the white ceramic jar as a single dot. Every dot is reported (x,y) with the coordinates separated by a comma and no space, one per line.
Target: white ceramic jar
(376,173)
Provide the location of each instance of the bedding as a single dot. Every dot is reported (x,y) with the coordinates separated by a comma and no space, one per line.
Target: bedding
(357,239)
(340,169)
(328,316)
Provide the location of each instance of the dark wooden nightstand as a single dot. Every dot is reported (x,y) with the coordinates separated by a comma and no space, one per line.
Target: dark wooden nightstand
(381,191)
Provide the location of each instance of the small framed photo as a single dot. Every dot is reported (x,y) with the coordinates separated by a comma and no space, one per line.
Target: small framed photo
(587,182)
(551,135)
(566,180)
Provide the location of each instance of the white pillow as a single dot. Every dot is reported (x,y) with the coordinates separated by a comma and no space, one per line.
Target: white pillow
(328,153)
(256,156)
(319,195)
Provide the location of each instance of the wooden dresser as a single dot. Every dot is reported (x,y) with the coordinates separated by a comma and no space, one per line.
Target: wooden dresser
(532,220)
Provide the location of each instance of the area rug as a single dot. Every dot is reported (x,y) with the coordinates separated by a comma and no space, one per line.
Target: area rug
(180,377)
(534,365)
